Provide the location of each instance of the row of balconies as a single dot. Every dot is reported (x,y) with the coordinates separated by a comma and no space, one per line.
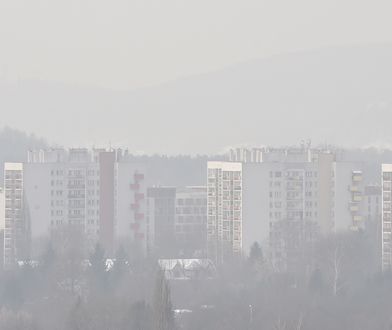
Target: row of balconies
(76,186)
(76,196)
(13,187)
(76,216)
(387,207)
(13,177)
(13,182)
(295,178)
(137,177)
(355,198)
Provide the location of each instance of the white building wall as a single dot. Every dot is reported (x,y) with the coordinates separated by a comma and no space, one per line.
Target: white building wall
(224,224)
(255,211)
(37,190)
(16,231)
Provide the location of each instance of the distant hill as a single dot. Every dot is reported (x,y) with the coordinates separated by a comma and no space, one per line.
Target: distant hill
(338,95)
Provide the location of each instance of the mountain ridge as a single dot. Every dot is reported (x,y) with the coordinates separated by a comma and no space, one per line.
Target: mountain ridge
(337,95)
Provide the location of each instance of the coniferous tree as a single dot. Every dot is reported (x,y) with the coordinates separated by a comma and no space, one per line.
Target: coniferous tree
(256,253)
(98,274)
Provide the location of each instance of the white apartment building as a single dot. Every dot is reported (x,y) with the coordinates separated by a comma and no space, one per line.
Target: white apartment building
(283,209)
(224,209)
(290,196)
(293,212)
(386,238)
(98,191)
(287,198)
(16,225)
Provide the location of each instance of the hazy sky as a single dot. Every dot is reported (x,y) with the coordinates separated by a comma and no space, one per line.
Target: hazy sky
(133,43)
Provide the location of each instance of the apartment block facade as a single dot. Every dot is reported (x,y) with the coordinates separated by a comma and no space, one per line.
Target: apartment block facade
(386,239)
(224,210)
(16,224)
(289,197)
(99,192)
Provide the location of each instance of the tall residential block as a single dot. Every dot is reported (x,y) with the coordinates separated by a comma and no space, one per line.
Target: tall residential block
(224,210)
(289,198)
(386,239)
(16,222)
(98,192)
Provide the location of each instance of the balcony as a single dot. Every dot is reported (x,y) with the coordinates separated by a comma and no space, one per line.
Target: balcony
(357,198)
(135,206)
(357,177)
(138,177)
(135,226)
(139,236)
(76,216)
(76,196)
(139,197)
(139,216)
(135,186)
(354,208)
(75,207)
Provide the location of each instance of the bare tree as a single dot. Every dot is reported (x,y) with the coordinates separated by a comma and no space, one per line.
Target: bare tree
(162,306)
(280,325)
(337,268)
(300,322)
